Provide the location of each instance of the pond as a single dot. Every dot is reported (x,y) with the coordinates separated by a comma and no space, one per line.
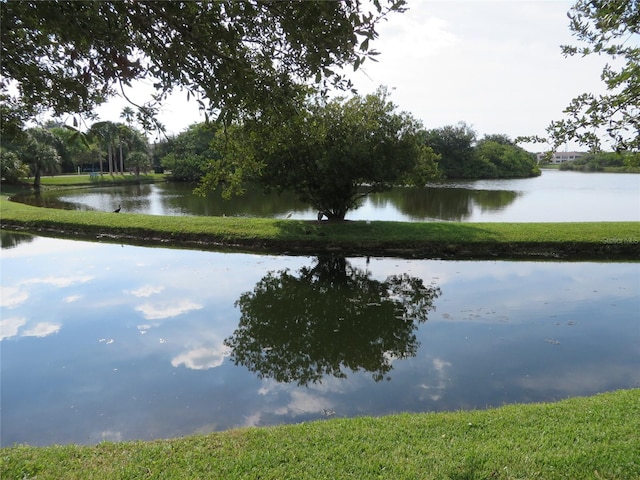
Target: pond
(117,342)
(555,196)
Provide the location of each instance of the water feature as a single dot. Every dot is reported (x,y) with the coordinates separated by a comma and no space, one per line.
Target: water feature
(555,196)
(116,342)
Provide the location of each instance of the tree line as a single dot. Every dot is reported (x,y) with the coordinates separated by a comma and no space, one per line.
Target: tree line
(332,153)
(106,147)
(603,161)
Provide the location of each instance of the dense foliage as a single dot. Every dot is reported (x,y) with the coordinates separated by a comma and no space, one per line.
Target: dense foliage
(494,156)
(330,153)
(595,162)
(188,154)
(108,147)
(605,27)
(69,57)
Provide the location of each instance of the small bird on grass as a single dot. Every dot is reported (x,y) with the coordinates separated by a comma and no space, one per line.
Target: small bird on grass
(117,210)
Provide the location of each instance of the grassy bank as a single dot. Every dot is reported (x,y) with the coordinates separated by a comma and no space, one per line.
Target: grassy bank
(88,180)
(586,240)
(585,438)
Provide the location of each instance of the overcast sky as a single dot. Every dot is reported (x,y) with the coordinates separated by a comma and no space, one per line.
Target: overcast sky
(496,65)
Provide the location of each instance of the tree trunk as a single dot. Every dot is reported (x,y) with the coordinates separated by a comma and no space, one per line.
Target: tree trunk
(36,179)
(110,158)
(121,160)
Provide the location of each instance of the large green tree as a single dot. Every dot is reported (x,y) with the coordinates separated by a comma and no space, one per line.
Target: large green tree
(330,153)
(106,134)
(493,156)
(497,157)
(454,144)
(230,56)
(188,154)
(39,153)
(611,28)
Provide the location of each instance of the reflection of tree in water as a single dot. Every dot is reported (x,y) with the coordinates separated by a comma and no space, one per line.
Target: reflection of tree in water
(48,200)
(446,203)
(252,203)
(328,318)
(13,239)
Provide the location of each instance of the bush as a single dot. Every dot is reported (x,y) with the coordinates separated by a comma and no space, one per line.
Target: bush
(12,168)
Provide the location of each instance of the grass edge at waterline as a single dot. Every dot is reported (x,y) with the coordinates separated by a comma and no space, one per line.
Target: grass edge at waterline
(586,437)
(579,240)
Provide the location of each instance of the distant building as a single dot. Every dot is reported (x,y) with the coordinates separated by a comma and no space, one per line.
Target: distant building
(561,157)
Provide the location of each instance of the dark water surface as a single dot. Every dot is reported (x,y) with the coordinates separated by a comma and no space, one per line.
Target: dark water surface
(555,196)
(110,342)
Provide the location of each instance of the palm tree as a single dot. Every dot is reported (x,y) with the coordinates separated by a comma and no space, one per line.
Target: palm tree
(139,161)
(107,132)
(128,114)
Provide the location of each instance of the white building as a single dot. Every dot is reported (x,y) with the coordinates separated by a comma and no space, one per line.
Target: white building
(561,157)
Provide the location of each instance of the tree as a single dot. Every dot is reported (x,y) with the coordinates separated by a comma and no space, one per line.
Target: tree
(230,56)
(328,318)
(454,144)
(607,27)
(331,153)
(69,145)
(128,115)
(11,168)
(106,133)
(497,157)
(188,153)
(38,152)
(139,161)
(89,157)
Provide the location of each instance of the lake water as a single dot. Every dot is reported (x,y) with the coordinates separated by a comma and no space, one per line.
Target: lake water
(555,196)
(117,342)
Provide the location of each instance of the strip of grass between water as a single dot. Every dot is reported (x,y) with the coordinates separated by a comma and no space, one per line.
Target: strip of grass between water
(579,240)
(586,438)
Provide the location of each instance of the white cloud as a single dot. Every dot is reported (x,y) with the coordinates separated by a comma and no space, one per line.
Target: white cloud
(146,291)
(72,298)
(11,297)
(202,358)
(61,282)
(42,329)
(572,381)
(9,326)
(167,310)
(303,402)
(252,420)
(436,390)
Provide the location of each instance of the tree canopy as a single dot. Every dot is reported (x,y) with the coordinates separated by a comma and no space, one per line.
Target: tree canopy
(605,27)
(68,57)
(493,156)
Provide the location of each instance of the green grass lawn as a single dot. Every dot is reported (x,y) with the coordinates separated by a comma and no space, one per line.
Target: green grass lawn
(85,179)
(580,438)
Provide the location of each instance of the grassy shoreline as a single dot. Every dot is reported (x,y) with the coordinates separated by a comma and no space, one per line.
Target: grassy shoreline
(459,240)
(588,438)
(449,240)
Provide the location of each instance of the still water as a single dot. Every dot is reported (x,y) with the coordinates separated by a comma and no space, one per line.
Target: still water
(554,196)
(117,342)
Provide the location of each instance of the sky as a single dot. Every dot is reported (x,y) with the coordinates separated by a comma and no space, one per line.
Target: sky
(495,65)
